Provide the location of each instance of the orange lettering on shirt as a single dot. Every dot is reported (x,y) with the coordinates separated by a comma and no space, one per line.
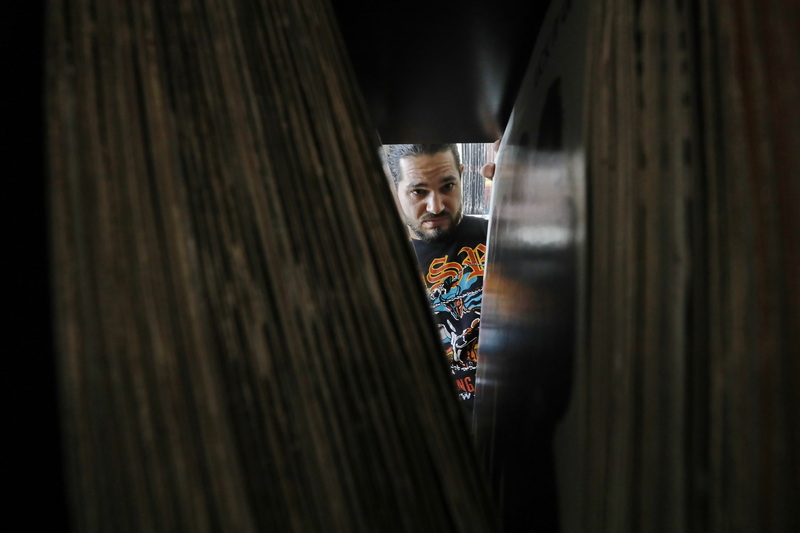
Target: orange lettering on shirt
(474,260)
(469,385)
(440,269)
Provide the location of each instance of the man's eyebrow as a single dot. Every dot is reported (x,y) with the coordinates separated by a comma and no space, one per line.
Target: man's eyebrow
(424,185)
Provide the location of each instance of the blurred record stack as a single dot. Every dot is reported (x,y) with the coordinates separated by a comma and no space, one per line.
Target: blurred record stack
(692,356)
(243,341)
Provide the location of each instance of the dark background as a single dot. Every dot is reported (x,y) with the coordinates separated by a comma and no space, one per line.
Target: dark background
(440,71)
(32,466)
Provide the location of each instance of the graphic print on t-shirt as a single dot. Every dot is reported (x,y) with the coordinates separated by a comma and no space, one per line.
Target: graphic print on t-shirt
(455,289)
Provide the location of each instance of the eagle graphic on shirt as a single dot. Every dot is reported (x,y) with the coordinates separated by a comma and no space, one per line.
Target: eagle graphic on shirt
(455,289)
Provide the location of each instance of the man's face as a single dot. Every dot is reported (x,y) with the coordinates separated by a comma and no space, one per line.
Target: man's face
(429,194)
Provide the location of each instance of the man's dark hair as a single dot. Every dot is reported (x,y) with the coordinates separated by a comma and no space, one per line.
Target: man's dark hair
(396,152)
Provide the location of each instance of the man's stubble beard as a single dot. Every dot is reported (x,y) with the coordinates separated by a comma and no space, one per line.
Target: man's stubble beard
(435,235)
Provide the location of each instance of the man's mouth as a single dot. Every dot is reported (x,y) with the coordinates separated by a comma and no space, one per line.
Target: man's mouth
(436,221)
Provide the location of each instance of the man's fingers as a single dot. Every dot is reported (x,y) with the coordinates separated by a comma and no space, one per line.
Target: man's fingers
(487,171)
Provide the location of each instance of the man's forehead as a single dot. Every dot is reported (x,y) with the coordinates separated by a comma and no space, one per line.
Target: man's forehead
(434,166)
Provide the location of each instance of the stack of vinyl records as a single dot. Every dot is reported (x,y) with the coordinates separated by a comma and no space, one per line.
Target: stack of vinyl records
(244,344)
(692,348)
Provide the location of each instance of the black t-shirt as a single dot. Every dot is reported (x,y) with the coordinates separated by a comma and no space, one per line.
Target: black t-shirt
(453,270)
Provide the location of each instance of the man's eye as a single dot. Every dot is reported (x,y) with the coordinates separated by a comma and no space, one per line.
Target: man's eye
(417,192)
(449,186)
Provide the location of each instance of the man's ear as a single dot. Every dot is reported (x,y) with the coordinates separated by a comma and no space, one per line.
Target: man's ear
(461,171)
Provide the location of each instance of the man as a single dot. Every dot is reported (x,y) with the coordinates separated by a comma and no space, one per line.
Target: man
(450,248)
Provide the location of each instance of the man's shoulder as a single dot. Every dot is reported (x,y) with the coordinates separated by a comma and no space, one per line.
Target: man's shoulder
(472,231)
(472,223)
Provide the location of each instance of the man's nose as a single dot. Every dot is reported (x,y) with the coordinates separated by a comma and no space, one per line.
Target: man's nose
(435,203)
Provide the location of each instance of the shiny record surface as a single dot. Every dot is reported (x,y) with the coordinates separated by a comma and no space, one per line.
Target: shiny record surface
(529,323)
